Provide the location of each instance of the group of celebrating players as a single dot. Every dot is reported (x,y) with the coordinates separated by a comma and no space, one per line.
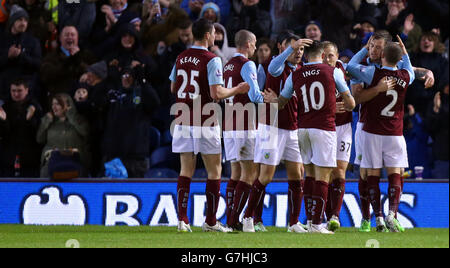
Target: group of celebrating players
(301,115)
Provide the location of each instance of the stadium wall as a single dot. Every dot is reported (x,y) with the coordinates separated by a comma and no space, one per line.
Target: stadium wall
(136,202)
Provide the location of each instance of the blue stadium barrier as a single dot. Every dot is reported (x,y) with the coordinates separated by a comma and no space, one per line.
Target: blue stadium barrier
(153,202)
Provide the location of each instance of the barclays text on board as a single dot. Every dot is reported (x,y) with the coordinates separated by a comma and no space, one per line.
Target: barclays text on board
(422,204)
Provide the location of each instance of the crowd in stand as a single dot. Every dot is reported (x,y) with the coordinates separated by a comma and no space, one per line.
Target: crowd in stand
(91,76)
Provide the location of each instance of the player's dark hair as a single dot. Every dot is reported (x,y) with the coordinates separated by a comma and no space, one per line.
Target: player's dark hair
(315,49)
(292,37)
(20,82)
(284,35)
(200,28)
(392,53)
(382,34)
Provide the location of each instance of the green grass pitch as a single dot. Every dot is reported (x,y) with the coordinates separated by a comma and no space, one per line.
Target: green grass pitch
(20,236)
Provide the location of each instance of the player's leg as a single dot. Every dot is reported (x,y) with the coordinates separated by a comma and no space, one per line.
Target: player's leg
(337,192)
(319,198)
(257,214)
(308,171)
(248,177)
(394,192)
(363,185)
(308,189)
(402,178)
(257,195)
(188,165)
(396,159)
(213,166)
(230,155)
(295,195)
(231,186)
(373,180)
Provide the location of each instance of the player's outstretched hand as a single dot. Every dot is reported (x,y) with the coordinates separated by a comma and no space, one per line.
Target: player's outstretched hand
(429,79)
(402,46)
(385,84)
(243,88)
(302,43)
(2,114)
(270,96)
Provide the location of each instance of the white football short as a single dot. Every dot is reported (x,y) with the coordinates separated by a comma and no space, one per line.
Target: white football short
(318,147)
(239,145)
(274,145)
(344,142)
(384,151)
(359,143)
(193,139)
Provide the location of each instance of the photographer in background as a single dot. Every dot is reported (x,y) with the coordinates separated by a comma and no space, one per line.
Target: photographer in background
(128,110)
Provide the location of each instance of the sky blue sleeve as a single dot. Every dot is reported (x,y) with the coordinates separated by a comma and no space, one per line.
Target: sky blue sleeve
(288,89)
(276,66)
(358,71)
(249,74)
(339,78)
(362,73)
(173,76)
(215,73)
(359,57)
(261,77)
(408,66)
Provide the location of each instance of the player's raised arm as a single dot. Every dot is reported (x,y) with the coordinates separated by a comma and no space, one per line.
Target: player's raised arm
(407,62)
(358,71)
(276,66)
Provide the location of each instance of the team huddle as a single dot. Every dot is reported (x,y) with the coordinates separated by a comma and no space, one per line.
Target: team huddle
(300,115)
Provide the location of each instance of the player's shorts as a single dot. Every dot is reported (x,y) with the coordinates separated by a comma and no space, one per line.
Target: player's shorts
(274,145)
(344,142)
(318,147)
(358,143)
(384,151)
(192,139)
(239,145)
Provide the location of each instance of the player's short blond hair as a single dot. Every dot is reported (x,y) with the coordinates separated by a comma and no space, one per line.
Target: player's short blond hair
(243,37)
(328,44)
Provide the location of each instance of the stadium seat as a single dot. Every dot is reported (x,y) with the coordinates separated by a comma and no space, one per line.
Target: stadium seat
(162,119)
(226,169)
(161,173)
(200,173)
(155,139)
(280,174)
(164,158)
(166,138)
